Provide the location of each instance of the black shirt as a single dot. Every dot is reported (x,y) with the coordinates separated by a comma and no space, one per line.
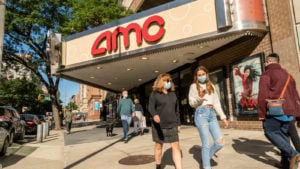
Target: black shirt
(138,107)
(166,106)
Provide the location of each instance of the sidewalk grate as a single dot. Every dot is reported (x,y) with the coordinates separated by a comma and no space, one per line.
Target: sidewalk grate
(137,160)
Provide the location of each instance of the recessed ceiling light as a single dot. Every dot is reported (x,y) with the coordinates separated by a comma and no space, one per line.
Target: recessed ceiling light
(109,83)
(156,71)
(144,58)
(175,61)
(129,69)
(140,80)
(92,77)
(99,67)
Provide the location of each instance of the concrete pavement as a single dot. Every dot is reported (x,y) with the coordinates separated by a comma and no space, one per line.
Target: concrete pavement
(34,155)
(83,150)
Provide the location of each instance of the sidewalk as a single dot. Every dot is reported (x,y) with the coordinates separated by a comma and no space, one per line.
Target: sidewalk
(34,155)
(244,149)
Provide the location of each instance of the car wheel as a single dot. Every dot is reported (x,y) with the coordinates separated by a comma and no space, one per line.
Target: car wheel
(11,136)
(4,148)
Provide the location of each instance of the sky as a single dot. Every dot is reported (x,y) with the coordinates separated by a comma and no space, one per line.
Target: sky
(67,89)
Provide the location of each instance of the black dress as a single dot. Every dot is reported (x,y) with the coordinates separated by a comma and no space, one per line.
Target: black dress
(166,106)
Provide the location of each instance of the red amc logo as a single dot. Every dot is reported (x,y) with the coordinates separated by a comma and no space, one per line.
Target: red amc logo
(111,38)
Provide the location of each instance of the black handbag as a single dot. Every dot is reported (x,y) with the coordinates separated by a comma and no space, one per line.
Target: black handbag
(275,105)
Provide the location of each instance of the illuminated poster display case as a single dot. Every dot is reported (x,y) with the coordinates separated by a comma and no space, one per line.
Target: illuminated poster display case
(245,82)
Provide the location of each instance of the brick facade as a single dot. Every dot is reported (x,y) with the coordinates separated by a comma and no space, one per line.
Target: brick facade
(282,37)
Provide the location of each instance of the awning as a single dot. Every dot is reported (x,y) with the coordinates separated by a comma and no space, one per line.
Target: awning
(122,73)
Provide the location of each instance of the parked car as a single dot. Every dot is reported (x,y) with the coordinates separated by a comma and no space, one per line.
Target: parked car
(16,125)
(42,117)
(4,137)
(32,121)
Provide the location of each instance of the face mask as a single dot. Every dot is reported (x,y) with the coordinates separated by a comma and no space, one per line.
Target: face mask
(125,96)
(202,79)
(167,85)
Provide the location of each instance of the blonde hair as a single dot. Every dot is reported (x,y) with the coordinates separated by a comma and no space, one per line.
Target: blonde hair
(209,85)
(159,82)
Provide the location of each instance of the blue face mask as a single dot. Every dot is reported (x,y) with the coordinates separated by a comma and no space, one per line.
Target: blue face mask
(167,85)
(202,79)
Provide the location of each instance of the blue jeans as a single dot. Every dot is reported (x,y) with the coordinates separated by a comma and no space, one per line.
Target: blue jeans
(277,132)
(126,120)
(207,123)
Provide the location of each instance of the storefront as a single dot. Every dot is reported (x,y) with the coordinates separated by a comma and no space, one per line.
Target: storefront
(129,53)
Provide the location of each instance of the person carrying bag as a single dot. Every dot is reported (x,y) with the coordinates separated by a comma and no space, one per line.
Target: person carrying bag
(275,105)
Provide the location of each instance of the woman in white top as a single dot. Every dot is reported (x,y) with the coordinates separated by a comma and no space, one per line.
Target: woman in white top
(205,100)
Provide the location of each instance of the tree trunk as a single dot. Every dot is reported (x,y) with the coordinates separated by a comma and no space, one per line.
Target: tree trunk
(56,116)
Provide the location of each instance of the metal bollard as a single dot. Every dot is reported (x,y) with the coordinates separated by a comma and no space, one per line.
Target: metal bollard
(48,128)
(44,131)
(39,137)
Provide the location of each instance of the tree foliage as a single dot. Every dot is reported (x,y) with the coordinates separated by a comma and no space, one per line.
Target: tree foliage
(72,106)
(87,14)
(27,23)
(19,93)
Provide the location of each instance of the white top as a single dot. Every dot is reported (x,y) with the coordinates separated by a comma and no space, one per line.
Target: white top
(213,99)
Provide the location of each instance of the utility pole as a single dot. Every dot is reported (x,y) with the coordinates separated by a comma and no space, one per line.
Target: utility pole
(2,23)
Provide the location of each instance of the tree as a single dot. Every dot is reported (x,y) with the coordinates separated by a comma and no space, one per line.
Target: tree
(87,14)
(28,21)
(72,106)
(19,93)
(26,25)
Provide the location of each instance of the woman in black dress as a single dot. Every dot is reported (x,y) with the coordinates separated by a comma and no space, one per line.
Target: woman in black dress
(164,108)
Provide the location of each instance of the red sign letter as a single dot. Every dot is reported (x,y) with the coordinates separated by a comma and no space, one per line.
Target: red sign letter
(125,32)
(100,38)
(153,19)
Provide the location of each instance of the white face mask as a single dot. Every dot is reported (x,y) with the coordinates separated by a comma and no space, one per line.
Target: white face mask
(125,96)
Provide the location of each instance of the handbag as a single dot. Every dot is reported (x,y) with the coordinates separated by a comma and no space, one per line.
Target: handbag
(275,105)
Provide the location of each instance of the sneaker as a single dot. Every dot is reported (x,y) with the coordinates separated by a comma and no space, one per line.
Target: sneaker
(125,141)
(295,161)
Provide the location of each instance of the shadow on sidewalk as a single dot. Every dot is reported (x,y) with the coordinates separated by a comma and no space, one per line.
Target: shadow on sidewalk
(131,136)
(196,151)
(255,149)
(16,155)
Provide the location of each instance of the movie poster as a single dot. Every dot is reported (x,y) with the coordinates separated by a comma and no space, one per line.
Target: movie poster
(245,75)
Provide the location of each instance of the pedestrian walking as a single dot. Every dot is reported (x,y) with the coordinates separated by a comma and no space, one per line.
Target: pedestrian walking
(203,97)
(277,84)
(138,117)
(75,117)
(84,117)
(164,108)
(125,110)
(68,120)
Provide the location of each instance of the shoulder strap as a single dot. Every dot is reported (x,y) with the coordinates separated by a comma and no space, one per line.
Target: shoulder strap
(285,86)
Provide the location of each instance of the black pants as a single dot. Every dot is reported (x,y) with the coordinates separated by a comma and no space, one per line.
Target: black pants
(277,132)
(68,125)
(294,136)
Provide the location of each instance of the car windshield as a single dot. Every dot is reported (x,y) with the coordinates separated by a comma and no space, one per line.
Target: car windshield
(27,116)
